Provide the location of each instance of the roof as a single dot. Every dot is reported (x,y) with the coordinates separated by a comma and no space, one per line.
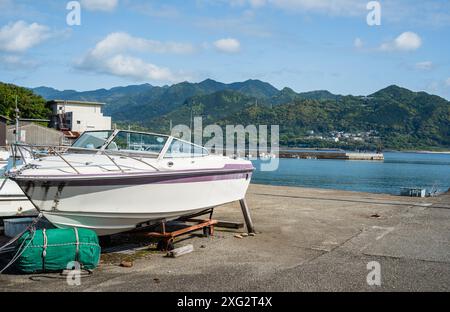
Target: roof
(32,125)
(4,117)
(71,134)
(74,102)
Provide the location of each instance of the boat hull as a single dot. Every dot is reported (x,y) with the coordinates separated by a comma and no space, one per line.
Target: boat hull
(13,202)
(18,206)
(116,205)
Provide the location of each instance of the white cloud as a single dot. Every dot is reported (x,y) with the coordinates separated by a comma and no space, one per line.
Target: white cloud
(447,82)
(136,68)
(426,65)
(99,5)
(14,62)
(111,56)
(20,36)
(128,67)
(407,41)
(358,43)
(228,45)
(120,42)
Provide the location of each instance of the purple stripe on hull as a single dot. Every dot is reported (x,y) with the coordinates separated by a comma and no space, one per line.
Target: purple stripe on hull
(226,168)
(235,176)
(154,178)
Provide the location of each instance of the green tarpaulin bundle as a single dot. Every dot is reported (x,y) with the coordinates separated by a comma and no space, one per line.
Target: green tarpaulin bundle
(55,250)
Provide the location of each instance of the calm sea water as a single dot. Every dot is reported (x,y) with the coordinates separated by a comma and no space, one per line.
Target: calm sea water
(430,171)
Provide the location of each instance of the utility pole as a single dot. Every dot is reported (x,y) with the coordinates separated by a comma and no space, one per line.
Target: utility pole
(16,110)
(190,124)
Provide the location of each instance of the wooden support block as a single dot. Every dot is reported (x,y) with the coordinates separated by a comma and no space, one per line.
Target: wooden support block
(180,251)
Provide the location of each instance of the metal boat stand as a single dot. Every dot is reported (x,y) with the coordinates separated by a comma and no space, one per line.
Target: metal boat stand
(247,216)
(166,239)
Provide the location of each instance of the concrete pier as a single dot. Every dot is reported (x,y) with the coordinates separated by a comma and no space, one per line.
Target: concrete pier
(324,154)
(306,240)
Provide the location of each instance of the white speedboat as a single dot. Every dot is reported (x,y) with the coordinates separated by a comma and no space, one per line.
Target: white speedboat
(114,181)
(13,202)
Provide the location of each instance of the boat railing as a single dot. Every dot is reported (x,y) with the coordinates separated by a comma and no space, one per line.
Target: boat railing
(36,151)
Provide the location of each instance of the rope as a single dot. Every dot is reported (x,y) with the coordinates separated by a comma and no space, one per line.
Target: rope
(15,238)
(32,229)
(21,250)
(84,273)
(78,244)
(44,251)
(65,244)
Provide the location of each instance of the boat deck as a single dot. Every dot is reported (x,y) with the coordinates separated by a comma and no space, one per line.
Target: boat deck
(308,240)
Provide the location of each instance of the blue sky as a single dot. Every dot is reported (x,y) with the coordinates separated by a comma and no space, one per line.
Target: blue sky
(302,44)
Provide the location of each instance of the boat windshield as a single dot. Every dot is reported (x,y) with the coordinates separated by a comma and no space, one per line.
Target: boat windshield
(138,142)
(92,139)
(183,149)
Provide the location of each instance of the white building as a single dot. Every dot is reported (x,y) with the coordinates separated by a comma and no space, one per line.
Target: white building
(78,116)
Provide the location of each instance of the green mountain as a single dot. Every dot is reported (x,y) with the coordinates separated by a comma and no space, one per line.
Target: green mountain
(100,95)
(395,117)
(144,102)
(212,107)
(319,95)
(29,104)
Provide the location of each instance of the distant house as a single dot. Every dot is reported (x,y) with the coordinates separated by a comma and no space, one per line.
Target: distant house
(78,116)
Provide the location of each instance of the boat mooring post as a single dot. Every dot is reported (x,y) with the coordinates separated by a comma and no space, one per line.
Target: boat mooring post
(247,217)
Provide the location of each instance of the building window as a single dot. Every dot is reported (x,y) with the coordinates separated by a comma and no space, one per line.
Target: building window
(78,122)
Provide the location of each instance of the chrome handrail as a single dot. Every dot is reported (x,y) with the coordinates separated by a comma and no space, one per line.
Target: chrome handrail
(112,160)
(52,149)
(65,160)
